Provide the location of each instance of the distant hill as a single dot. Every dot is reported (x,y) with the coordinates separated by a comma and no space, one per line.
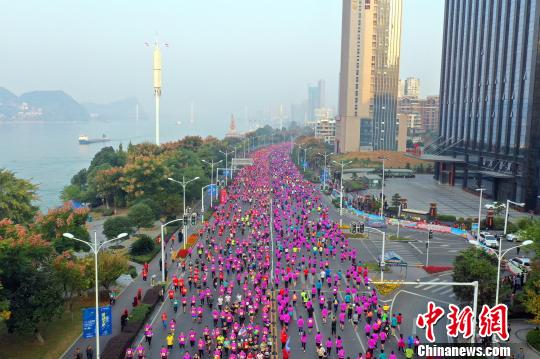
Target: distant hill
(8,103)
(55,105)
(60,106)
(121,110)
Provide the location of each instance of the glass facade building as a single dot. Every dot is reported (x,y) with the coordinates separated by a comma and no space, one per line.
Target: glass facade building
(490,97)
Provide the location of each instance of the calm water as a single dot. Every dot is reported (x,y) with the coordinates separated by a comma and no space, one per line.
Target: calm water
(49,154)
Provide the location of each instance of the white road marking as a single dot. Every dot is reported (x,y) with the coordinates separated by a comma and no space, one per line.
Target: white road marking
(415,247)
(356,332)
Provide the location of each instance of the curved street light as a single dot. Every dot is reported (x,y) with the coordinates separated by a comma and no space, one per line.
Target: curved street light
(95,248)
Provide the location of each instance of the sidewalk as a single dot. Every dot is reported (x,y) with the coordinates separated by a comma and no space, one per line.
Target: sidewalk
(518,338)
(125,298)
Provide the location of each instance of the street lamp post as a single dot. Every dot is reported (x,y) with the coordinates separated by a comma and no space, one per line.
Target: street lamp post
(342,164)
(382,186)
(184,183)
(481,190)
(163,245)
(508,202)
(325,155)
(499,258)
(95,248)
(382,262)
(305,163)
(212,174)
(202,197)
(398,220)
(298,154)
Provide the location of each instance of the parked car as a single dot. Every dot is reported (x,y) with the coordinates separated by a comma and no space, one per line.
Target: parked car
(521,263)
(495,205)
(489,240)
(513,237)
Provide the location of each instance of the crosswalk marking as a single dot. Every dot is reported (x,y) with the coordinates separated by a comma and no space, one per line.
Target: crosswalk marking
(440,289)
(429,286)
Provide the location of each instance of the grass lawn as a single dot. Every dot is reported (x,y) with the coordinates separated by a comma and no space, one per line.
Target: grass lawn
(58,335)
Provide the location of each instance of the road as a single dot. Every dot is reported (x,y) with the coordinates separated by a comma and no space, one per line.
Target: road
(286,218)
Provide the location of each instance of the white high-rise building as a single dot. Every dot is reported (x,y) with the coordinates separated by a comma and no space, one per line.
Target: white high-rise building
(412,87)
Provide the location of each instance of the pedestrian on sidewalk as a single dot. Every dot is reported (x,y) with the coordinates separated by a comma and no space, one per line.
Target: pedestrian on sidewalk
(89,352)
(123,320)
(520,354)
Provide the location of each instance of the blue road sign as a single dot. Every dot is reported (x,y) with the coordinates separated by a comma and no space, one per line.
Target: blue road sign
(89,322)
(213,190)
(304,164)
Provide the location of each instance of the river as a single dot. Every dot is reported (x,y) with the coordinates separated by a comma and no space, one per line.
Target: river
(49,154)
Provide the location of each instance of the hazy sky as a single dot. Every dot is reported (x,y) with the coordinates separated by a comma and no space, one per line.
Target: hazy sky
(223,55)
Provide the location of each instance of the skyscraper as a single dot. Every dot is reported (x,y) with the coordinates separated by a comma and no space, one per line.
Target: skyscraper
(412,87)
(490,98)
(368,85)
(316,97)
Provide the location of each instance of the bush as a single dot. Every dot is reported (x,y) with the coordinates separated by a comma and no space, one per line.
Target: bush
(146,258)
(437,269)
(107,212)
(154,206)
(143,245)
(116,347)
(132,271)
(116,225)
(151,297)
(141,215)
(533,338)
(140,312)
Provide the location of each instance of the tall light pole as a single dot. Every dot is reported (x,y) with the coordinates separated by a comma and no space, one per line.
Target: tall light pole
(342,164)
(382,262)
(500,257)
(481,190)
(202,197)
(157,82)
(163,245)
(325,155)
(226,153)
(508,202)
(305,159)
(212,174)
(298,154)
(184,183)
(382,186)
(398,220)
(95,248)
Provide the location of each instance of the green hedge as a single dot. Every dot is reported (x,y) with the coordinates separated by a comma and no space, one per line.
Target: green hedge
(140,312)
(143,258)
(533,338)
(143,245)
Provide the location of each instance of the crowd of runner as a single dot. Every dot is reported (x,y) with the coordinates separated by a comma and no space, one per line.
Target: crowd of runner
(264,270)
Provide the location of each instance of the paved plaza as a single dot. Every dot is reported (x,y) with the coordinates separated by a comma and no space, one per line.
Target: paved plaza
(423,190)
